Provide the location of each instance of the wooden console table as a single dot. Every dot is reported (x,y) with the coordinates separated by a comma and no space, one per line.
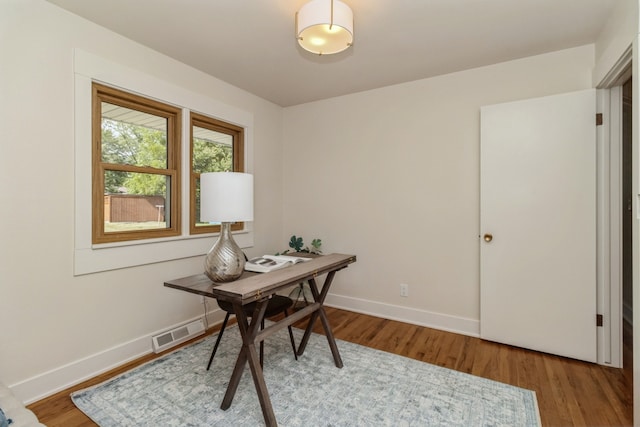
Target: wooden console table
(256,287)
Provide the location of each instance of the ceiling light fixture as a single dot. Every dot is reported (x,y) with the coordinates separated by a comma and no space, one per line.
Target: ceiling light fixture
(324,26)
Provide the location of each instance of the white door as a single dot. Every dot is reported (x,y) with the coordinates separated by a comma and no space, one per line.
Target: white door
(538,224)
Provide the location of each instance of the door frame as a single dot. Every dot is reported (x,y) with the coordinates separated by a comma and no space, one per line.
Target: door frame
(609,212)
(609,229)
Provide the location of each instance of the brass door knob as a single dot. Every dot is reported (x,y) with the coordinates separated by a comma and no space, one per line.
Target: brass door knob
(488,237)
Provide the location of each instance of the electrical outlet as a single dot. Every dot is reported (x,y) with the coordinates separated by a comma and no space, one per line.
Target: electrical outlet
(404,290)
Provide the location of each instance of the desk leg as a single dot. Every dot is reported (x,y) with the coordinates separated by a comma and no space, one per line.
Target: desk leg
(249,354)
(319,297)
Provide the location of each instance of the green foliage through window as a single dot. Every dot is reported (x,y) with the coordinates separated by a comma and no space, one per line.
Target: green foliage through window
(211,157)
(130,144)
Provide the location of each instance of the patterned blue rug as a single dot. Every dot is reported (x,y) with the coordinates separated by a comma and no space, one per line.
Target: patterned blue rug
(374,388)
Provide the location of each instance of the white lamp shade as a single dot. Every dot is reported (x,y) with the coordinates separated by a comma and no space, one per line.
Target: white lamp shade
(226,197)
(320,32)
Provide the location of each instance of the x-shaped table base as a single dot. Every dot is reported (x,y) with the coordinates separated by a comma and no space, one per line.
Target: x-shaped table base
(252,336)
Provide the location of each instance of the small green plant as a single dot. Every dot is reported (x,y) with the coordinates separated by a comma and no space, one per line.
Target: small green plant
(297,244)
(316,244)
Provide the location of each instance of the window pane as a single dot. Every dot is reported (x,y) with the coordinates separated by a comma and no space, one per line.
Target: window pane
(133,137)
(216,146)
(135,201)
(212,151)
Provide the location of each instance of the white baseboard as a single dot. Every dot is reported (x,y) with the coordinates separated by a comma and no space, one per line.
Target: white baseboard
(58,379)
(429,319)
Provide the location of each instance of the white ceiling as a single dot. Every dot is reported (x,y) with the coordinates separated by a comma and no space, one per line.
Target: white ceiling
(251,43)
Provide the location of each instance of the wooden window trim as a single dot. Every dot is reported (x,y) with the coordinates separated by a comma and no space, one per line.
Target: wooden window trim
(237,134)
(173,115)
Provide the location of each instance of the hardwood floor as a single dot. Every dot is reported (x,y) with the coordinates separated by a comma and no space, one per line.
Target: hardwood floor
(569,392)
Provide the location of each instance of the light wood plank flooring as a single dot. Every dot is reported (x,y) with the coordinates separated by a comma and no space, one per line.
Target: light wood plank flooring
(570,393)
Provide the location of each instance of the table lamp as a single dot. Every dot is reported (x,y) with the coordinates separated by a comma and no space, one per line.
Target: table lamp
(225,197)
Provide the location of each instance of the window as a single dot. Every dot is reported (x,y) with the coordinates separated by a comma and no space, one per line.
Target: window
(216,146)
(135,167)
(117,84)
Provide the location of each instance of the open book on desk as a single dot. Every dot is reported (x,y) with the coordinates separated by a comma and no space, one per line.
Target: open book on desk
(267,263)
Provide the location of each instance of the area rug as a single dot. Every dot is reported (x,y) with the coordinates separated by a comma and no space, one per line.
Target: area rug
(374,388)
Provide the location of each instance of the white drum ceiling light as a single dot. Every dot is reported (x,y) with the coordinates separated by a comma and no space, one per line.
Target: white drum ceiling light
(324,26)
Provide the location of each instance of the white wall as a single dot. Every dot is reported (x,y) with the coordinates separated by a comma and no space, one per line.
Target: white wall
(54,327)
(392,175)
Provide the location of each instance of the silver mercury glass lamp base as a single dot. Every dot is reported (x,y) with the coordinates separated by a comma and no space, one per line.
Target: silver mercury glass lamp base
(225,261)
